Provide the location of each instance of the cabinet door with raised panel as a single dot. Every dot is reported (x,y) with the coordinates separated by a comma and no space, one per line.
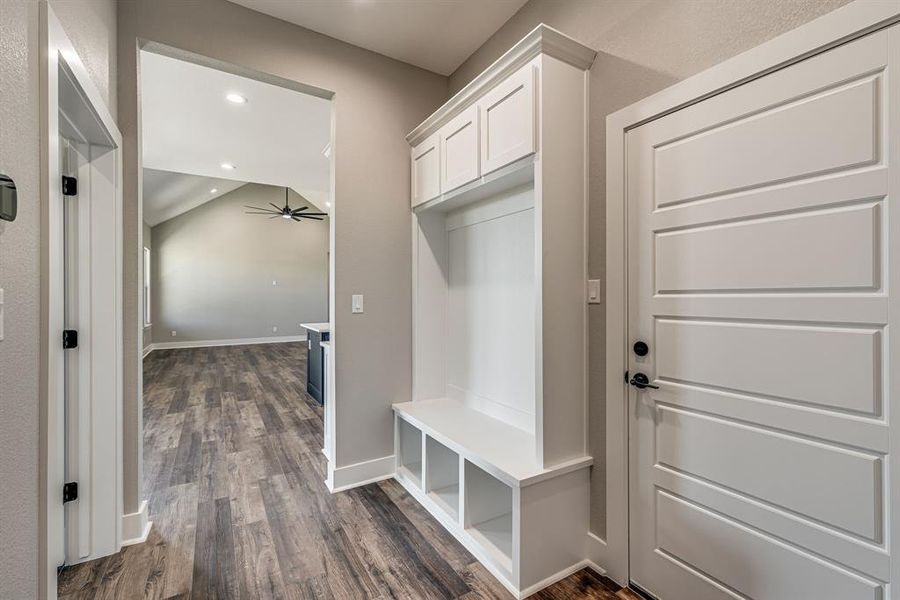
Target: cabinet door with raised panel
(507,121)
(426,170)
(459,150)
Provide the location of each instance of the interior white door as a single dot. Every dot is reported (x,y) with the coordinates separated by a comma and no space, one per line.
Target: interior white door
(92,384)
(761,247)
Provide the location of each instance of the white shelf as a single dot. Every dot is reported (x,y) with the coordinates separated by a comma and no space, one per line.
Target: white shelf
(507,453)
(442,475)
(447,498)
(409,458)
(412,471)
(496,537)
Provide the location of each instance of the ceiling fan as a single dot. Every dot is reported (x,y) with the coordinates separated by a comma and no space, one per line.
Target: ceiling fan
(286,212)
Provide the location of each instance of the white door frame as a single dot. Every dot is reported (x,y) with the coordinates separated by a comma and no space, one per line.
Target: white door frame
(56,49)
(840,26)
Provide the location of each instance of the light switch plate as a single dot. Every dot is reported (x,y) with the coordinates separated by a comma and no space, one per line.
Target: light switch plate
(356,304)
(593,291)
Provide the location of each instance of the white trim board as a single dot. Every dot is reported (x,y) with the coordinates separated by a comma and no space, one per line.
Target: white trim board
(358,474)
(842,25)
(232,342)
(136,526)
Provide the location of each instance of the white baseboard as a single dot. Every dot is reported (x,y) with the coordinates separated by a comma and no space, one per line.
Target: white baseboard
(136,526)
(597,553)
(558,576)
(363,473)
(233,342)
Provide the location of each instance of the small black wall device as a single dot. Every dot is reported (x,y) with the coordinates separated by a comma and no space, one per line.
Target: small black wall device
(8,201)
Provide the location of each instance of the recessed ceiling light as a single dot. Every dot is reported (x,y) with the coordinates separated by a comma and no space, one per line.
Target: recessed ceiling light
(227,166)
(213,191)
(328,204)
(236,98)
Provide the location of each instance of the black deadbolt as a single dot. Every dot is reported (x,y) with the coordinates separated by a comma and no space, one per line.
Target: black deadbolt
(641,348)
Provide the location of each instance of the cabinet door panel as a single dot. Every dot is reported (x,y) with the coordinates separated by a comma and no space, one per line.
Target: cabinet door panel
(507,121)
(425,171)
(459,150)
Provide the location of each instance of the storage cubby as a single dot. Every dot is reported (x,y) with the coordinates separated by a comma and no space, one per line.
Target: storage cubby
(489,513)
(442,476)
(409,452)
(500,315)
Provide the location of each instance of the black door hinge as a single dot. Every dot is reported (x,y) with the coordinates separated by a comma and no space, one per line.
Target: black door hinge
(70,338)
(69,186)
(626,376)
(70,491)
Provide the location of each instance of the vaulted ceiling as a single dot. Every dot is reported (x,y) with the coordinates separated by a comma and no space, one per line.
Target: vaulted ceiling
(190,130)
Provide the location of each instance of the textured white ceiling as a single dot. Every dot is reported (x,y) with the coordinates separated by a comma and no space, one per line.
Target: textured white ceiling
(437,35)
(188,127)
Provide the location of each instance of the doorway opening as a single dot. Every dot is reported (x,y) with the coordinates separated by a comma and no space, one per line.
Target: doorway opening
(82,316)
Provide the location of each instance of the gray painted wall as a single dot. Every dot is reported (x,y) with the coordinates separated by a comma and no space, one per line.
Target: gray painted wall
(644,46)
(213,267)
(91,25)
(20,280)
(20,266)
(147,337)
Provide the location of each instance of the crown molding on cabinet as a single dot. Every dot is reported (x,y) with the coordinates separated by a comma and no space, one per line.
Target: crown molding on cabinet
(543,39)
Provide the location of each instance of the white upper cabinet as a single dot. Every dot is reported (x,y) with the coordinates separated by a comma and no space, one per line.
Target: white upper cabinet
(459,150)
(426,170)
(499,119)
(507,117)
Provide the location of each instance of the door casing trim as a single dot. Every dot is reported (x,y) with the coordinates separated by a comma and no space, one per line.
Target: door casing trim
(55,46)
(843,25)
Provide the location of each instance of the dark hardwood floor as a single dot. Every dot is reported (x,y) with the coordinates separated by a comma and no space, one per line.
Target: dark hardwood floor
(234,472)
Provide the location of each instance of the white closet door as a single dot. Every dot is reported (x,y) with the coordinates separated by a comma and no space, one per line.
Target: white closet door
(507,121)
(761,245)
(459,150)
(425,167)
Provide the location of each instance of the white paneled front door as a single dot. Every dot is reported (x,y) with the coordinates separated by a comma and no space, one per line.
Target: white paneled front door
(760,252)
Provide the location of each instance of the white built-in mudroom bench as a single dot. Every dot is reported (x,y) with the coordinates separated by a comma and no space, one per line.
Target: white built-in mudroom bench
(494,440)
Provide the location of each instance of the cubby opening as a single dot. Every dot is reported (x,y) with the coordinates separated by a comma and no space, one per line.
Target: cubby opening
(409,458)
(442,476)
(489,513)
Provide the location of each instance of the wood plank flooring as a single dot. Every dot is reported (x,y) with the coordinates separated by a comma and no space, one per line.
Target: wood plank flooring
(233,471)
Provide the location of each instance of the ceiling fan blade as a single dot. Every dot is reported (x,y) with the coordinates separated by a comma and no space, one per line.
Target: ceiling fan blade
(275,217)
(311,218)
(278,208)
(296,210)
(261,212)
(259,208)
(314,215)
(297,219)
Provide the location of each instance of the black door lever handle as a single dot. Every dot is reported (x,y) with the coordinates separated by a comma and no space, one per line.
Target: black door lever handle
(641,381)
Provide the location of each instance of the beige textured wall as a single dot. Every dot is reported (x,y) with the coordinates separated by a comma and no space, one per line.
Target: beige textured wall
(377,101)
(213,268)
(20,248)
(91,25)
(20,280)
(644,46)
